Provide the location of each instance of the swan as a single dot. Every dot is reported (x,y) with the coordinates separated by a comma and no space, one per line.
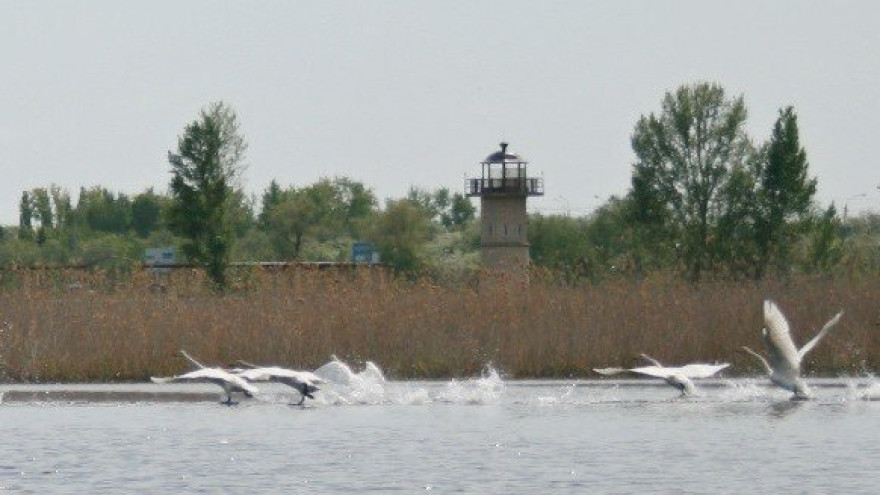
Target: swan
(304,382)
(229,382)
(205,374)
(678,377)
(784,367)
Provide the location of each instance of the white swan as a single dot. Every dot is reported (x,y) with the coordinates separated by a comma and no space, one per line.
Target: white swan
(784,367)
(304,382)
(230,383)
(678,377)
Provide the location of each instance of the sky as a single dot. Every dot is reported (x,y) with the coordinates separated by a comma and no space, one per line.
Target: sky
(400,94)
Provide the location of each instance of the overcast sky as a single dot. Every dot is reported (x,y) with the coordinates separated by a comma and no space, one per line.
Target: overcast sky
(416,93)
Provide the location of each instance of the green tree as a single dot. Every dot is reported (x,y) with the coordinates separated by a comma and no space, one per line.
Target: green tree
(328,211)
(146,211)
(784,196)
(312,212)
(684,158)
(826,246)
(42,205)
(442,207)
(100,210)
(204,171)
(359,205)
(401,232)
(559,242)
(25,217)
(272,197)
(461,212)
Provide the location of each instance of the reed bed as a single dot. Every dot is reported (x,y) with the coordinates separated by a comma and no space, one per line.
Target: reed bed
(71,326)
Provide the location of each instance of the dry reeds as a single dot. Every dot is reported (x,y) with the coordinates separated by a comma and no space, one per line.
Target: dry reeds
(73,326)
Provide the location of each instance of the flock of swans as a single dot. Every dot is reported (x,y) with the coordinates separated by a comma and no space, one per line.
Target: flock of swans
(240,379)
(783,367)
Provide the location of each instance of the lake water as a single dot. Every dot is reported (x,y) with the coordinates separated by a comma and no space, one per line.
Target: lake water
(484,435)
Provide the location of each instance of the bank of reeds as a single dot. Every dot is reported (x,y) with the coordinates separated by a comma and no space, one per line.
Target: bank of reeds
(73,326)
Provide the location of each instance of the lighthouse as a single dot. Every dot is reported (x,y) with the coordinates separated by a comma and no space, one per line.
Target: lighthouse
(503,188)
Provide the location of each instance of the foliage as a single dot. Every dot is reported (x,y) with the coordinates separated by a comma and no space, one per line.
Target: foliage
(326,211)
(784,195)
(703,202)
(449,210)
(685,157)
(400,234)
(203,187)
(146,212)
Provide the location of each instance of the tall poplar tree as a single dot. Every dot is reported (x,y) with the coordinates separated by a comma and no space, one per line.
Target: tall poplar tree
(205,170)
(785,194)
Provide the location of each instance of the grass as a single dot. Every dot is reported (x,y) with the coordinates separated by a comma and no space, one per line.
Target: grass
(70,326)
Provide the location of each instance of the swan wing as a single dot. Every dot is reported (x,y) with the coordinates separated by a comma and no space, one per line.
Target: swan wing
(657,371)
(610,371)
(815,340)
(650,360)
(218,377)
(701,370)
(254,374)
(777,338)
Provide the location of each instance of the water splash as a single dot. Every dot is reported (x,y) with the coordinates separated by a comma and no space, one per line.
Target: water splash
(345,386)
(487,389)
(369,386)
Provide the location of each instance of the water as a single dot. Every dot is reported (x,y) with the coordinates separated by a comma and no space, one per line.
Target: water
(484,435)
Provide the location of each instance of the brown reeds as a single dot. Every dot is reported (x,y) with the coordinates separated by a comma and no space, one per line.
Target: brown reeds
(75,326)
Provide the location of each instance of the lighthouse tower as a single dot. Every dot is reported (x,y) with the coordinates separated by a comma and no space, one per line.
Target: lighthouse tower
(503,188)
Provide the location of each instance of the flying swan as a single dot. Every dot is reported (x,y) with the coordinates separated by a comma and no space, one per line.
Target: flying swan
(784,367)
(304,382)
(678,377)
(228,381)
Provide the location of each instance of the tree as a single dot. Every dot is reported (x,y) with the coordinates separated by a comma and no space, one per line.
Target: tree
(784,195)
(826,247)
(324,212)
(460,213)
(449,210)
(25,217)
(684,159)
(272,197)
(401,233)
(205,171)
(146,210)
(103,211)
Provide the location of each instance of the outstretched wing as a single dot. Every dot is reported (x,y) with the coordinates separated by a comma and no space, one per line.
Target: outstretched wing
(702,370)
(610,371)
(657,371)
(815,340)
(777,338)
(650,360)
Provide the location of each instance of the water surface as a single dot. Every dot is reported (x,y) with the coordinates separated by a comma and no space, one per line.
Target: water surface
(484,435)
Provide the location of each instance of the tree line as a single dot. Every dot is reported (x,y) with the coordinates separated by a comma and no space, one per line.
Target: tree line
(705,200)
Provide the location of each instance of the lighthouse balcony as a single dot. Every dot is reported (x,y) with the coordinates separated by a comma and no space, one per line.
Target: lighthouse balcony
(516,186)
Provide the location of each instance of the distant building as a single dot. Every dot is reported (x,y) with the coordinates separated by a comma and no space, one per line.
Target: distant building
(503,188)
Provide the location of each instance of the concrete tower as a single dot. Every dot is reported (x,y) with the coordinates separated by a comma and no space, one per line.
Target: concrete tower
(503,189)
